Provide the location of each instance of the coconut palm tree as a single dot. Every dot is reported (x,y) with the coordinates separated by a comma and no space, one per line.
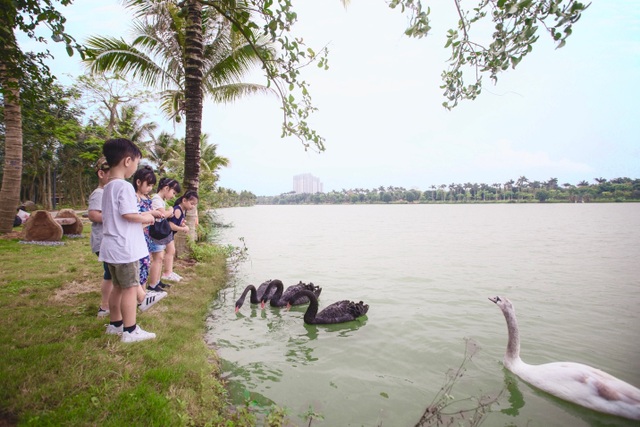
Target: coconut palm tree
(158,55)
(186,51)
(165,152)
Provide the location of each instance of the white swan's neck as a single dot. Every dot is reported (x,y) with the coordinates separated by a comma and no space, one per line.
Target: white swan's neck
(512,355)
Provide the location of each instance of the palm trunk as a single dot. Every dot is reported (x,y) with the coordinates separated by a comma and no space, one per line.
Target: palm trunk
(10,192)
(193,105)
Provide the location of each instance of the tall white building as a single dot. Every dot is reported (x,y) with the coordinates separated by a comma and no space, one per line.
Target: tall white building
(306,183)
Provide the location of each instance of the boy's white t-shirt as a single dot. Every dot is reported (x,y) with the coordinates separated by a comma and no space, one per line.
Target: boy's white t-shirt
(95,204)
(122,241)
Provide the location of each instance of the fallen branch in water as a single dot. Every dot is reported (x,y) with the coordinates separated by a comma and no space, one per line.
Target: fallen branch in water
(437,413)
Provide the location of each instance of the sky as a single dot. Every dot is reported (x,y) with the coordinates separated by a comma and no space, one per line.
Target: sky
(567,113)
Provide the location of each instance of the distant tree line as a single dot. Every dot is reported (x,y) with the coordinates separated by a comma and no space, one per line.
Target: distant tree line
(512,191)
(225,198)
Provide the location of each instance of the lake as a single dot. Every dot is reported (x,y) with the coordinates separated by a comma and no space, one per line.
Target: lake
(572,272)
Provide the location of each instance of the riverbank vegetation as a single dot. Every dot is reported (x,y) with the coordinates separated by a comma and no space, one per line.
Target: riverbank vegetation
(520,191)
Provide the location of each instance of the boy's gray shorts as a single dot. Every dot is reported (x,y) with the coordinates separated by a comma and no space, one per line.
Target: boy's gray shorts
(125,275)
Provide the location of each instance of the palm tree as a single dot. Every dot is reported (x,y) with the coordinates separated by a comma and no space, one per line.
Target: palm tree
(164,150)
(442,187)
(158,55)
(210,161)
(130,125)
(508,186)
(521,184)
(12,173)
(186,55)
(552,184)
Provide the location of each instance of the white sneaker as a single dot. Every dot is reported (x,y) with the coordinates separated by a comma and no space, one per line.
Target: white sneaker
(102,312)
(114,330)
(138,334)
(150,299)
(173,277)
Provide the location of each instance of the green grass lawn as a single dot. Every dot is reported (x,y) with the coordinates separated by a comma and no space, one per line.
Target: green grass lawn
(58,367)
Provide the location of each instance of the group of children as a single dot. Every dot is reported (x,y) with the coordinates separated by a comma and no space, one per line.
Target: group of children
(121,215)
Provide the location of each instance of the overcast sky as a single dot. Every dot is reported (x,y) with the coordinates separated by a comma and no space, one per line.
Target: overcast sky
(570,114)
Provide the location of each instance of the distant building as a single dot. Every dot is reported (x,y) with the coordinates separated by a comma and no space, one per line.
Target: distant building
(306,183)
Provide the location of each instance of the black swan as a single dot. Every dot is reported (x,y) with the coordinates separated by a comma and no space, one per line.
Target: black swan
(256,294)
(575,382)
(338,312)
(278,299)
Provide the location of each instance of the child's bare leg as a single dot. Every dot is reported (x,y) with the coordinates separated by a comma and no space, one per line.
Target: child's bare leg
(115,299)
(105,289)
(156,268)
(168,259)
(140,294)
(129,304)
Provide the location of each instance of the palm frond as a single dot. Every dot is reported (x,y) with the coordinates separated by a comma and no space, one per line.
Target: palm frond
(108,54)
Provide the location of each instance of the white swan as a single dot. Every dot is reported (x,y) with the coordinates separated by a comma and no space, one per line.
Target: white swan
(575,382)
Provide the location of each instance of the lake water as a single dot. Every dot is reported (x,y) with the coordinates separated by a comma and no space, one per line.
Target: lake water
(571,270)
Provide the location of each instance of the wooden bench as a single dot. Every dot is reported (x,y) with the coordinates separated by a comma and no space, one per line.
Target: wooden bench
(65,221)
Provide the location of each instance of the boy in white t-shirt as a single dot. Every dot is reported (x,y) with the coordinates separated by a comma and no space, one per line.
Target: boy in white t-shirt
(123,242)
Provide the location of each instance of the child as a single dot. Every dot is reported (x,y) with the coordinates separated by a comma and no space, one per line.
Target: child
(177,222)
(143,181)
(21,216)
(95,216)
(123,241)
(167,189)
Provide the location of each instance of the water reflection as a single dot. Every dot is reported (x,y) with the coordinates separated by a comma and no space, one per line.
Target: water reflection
(299,352)
(251,373)
(516,399)
(253,313)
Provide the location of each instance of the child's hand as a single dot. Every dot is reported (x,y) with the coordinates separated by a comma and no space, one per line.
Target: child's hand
(148,218)
(157,214)
(185,228)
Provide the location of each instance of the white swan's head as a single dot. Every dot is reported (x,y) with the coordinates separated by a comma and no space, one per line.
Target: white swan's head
(504,304)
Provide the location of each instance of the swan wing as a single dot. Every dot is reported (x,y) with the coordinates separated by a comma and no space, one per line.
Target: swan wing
(263,288)
(302,299)
(585,386)
(341,311)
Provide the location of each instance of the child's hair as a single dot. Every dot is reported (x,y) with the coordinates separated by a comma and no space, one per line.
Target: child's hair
(171,183)
(144,174)
(120,148)
(186,196)
(102,165)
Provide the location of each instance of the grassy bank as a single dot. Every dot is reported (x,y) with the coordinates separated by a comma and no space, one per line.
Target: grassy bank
(57,366)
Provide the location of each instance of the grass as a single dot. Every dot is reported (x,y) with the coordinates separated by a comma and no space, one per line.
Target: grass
(57,366)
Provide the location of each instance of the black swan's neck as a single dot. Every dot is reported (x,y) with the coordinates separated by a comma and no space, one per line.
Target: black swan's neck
(254,294)
(275,299)
(312,310)
(254,297)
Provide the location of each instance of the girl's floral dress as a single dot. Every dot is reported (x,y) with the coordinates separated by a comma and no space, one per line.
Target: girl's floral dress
(144,205)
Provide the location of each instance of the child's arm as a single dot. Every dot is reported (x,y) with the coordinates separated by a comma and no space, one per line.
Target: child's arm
(95,216)
(175,227)
(183,226)
(142,217)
